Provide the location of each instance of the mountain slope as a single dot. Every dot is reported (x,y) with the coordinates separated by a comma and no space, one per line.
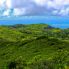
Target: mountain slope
(9,34)
(42,29)
(36,46)
(42,48)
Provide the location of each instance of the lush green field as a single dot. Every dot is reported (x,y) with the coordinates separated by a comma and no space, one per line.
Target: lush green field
(35,46)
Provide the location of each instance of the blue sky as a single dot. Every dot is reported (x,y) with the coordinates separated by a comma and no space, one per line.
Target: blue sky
(55,21)
(58,9)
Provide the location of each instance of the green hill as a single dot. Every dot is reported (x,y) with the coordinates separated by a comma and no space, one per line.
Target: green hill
(35,46)
(9,34)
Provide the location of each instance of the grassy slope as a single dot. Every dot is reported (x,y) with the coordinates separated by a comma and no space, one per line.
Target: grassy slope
(41,49)
(18,42)
(9,34)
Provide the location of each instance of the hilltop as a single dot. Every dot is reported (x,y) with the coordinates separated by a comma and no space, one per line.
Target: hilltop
(34,46)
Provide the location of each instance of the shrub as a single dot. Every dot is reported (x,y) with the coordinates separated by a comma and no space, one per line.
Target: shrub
(17,64)
(43,65)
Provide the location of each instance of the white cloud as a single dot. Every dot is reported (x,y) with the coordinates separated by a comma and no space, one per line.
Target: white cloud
(52,3)
(64,11)
(6,13)
(55,12)
(2,3)
(40,2)
(55,2)
(19,11)
(30,7)
(8,3)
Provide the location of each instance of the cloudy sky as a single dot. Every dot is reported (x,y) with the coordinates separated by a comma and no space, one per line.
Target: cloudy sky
(34,7)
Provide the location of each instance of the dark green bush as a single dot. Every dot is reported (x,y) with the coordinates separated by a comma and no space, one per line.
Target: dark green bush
(19,63)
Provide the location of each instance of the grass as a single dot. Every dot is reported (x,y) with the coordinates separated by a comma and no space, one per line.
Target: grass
(36,46)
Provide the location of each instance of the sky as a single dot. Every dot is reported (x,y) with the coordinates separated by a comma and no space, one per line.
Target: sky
(34,7)
(54,21)
(47,8)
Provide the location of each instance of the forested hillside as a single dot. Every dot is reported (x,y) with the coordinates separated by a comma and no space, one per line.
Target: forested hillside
(34,46)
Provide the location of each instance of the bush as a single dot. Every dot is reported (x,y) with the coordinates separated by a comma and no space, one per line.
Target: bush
(41,37)
(43,65)
(17,64)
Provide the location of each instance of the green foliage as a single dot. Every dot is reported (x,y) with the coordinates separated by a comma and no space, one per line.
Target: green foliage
(43,65)
(17,64)
(35,46)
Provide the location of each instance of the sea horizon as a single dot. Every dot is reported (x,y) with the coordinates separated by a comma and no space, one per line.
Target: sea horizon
(55,21)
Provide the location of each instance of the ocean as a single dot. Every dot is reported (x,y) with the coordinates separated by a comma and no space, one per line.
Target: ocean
(55,21)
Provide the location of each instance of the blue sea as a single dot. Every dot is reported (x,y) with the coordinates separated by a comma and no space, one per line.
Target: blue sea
(55,21)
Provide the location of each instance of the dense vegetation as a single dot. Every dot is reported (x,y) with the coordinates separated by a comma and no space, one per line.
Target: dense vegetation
(35,46)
